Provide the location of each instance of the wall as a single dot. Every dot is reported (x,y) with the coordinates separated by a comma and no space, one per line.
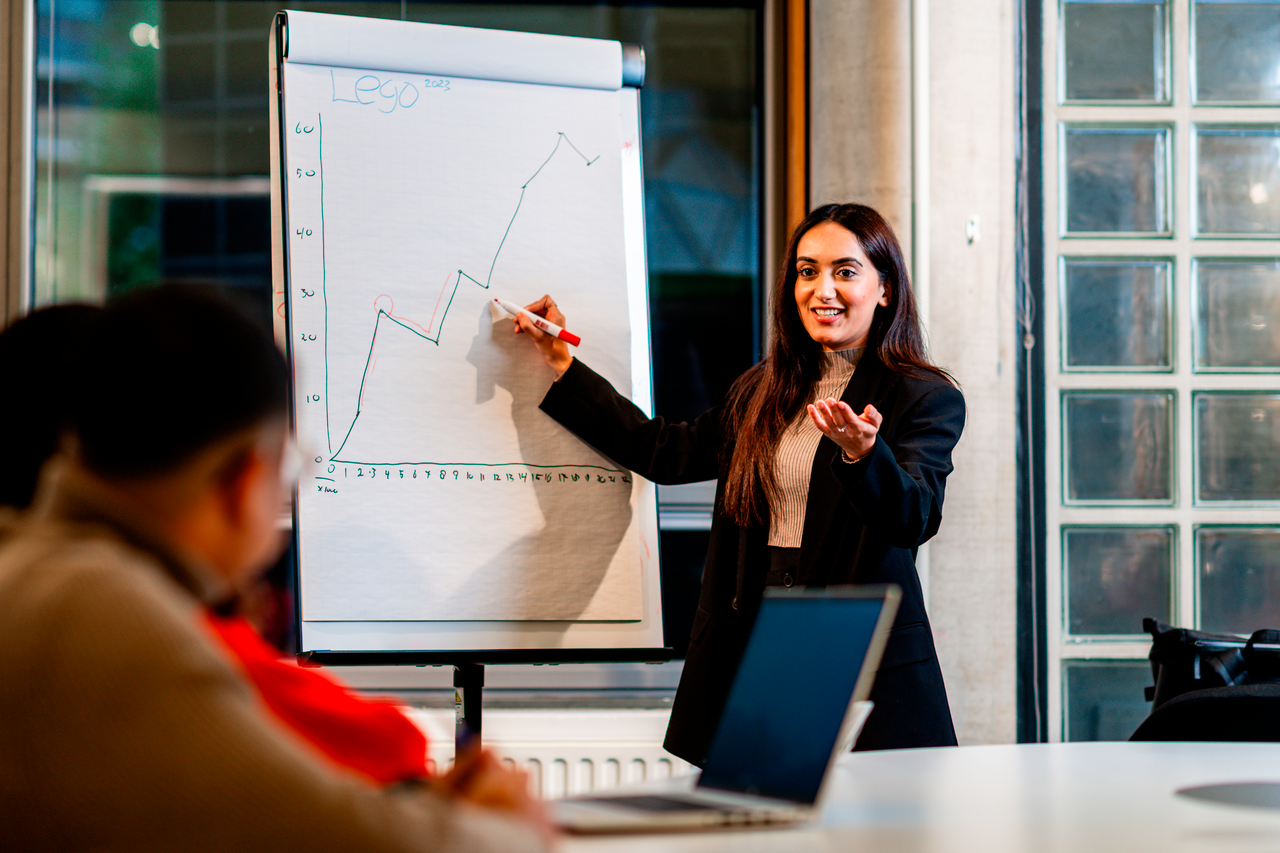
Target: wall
(860,142)
(860,107)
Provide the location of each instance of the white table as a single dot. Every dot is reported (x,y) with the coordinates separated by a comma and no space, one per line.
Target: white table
(1078,797)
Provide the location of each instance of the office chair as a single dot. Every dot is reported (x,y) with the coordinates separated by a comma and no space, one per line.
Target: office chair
(1239,712)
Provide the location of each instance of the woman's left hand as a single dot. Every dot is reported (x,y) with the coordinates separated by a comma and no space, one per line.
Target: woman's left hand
(855,433)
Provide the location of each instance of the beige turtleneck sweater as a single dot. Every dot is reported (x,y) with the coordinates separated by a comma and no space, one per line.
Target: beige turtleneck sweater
(793,463)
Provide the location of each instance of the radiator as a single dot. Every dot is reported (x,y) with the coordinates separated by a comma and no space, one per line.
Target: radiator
(565,751)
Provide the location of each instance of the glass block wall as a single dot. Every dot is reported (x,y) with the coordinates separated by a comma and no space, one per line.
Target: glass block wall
(1161,143)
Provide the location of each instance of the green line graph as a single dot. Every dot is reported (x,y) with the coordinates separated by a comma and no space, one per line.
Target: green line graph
(433,330)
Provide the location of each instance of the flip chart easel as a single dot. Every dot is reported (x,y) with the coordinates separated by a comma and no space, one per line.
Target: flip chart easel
(417,172)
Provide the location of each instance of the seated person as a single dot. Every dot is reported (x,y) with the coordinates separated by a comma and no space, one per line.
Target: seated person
(125,724)
(38,361)
(38,355)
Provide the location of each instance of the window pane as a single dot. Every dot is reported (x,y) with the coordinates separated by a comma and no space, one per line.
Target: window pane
(1114,51)
(1238,313)
(1104,701)
(1117,576)
(1237,51)
(1115,180)
(1239,570)
(1238,443)
(1238,180)
(1118,446)
(1117,314)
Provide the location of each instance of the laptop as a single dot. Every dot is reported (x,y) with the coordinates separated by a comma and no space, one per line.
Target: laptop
(796,703)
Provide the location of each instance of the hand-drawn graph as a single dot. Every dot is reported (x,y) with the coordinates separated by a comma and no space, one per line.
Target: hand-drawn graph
(456,277)
(443,493)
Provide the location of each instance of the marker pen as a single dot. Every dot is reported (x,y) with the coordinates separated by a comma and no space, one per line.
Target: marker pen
(542,323)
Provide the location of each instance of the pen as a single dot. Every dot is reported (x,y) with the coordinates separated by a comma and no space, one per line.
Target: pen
(543,324)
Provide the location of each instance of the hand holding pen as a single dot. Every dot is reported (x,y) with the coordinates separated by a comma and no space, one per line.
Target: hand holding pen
(553,347)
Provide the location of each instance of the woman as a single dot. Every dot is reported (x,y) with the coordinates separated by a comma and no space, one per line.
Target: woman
(830,455)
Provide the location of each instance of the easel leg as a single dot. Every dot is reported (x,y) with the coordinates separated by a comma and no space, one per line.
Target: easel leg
(468,690)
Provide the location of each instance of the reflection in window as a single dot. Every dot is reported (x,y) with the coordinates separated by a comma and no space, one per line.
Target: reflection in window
(1116,576)
(1237,314)
(209,231)
(1114,51)
(1239,570)
(1238,445)
(1237,52)
(1116,180)
(1117,314)
(1238,180)
(1118,446)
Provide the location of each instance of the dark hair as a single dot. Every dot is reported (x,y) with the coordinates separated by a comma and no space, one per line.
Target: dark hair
(39,359)
(766,398)
(169,371)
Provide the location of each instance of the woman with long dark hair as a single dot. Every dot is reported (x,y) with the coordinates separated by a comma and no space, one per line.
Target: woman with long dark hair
(830,456)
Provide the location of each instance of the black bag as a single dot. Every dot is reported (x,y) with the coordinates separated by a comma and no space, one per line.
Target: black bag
(1183,660)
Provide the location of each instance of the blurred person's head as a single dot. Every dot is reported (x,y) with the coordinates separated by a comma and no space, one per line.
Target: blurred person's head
(182,407)
(39,361)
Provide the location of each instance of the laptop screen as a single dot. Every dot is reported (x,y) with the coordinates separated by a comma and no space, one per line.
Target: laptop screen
(790,696)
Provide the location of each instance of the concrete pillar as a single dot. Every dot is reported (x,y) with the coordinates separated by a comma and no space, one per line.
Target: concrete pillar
(861,150)
(860,107)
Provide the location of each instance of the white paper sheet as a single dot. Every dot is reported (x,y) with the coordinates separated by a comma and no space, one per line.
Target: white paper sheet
(438,49)
(442,492)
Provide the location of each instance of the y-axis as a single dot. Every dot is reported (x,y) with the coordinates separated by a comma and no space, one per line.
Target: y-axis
(324,280)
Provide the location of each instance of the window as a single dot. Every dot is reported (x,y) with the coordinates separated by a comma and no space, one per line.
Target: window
(1161,230)
(152,155)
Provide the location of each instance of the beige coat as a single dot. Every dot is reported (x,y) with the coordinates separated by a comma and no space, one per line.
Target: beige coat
(123,728)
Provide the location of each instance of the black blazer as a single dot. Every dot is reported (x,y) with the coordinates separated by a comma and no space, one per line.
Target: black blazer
(863,523)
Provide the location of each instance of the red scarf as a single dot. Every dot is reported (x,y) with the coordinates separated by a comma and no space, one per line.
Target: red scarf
(371,736)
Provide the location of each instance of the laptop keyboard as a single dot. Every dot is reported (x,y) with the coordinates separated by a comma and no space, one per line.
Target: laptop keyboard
(651,803)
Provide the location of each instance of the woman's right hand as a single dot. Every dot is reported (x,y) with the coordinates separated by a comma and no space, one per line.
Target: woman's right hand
(554,351)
